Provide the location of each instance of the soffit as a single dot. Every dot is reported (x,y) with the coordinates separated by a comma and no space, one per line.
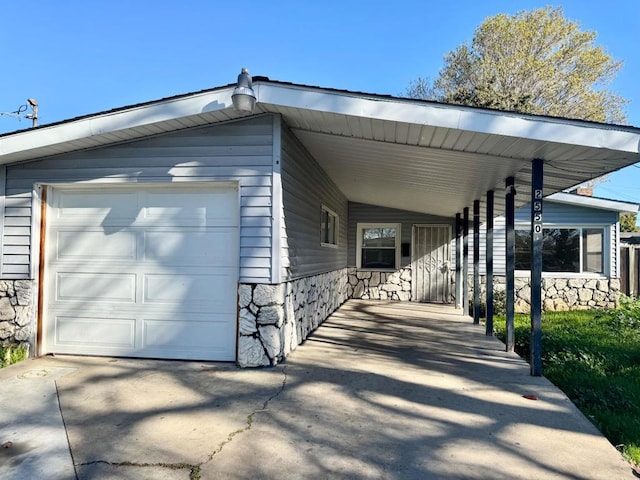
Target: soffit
(438,170)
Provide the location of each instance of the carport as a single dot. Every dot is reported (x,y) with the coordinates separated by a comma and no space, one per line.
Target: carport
(452,160)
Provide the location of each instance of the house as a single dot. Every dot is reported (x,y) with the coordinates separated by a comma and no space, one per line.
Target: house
(581,255)
(227,224)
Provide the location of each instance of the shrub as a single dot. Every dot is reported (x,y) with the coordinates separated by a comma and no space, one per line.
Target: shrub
(499,304)
(11,353)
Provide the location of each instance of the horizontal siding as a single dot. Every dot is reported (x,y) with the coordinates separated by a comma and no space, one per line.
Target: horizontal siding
(558,213)
(305,188)
(363,213)
(239,151)
(553,214)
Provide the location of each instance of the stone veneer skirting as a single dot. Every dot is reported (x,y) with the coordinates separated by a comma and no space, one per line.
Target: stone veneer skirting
(17,312)
(559,294)
(275,319)
(369,285)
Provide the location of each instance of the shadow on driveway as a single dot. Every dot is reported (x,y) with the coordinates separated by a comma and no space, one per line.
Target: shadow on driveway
(380,390)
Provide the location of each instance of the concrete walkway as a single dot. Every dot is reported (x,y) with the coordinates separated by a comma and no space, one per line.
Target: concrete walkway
(380,391)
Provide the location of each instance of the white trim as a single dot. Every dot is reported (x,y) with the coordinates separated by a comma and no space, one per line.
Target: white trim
(570,132)
(398,246)
(615,272)
(36,219)
(527,225)
(593,202)
(432,225)
(3,192)
(336,228)
(151,183)
(195,104)
(277,203)
(272,96)
(595,276)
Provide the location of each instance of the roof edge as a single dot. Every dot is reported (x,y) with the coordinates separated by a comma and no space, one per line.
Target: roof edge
(457,117)
(593,202)
(120,119)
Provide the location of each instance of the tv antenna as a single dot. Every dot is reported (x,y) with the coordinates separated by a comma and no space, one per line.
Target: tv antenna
(21,112)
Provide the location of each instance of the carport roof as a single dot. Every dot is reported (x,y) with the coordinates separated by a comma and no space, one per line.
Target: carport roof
(400,153)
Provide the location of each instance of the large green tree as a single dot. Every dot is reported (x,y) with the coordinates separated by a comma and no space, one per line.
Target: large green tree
(532,62)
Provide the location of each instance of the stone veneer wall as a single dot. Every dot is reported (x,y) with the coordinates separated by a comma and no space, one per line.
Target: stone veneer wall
(275,319)
(370,285)
(17,312)
(559,294)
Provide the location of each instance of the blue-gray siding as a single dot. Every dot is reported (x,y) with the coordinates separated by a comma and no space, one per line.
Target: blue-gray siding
(305,189)
(363,213)
(239,151)
(554,214)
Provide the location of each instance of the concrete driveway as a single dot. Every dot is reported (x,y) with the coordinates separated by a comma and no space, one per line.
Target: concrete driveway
(380,391)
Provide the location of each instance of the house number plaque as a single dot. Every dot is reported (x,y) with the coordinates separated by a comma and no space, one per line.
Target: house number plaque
(537,212)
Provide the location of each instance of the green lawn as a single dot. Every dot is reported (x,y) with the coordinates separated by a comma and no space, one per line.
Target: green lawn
(594,357)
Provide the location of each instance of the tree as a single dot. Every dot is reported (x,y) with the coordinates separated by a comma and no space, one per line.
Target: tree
(628,222)
(532,62)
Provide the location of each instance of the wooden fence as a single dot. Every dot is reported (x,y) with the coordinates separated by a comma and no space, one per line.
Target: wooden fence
(630,270)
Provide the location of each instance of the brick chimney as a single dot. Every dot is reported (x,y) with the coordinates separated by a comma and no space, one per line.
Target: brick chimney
(585,191)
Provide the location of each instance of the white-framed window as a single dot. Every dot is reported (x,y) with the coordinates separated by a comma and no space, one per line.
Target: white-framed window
(328,228)
(378,246)
(565,249)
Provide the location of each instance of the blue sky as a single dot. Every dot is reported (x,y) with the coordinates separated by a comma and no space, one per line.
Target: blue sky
(80,57)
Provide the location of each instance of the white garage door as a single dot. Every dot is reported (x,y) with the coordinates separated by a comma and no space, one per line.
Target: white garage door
(142,272)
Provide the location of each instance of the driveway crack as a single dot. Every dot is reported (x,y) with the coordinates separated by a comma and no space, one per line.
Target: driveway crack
(194,469)
(66,430)
(250,417)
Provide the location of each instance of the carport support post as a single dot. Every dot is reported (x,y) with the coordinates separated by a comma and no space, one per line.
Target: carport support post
(476,262)
(536,267)
(458,262)
(465,261)
(489,263)
(510,261)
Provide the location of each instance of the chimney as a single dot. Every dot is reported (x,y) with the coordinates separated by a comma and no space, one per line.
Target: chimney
(584,191)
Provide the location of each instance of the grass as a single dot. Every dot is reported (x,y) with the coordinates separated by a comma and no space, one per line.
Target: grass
(11,353)
(594,357)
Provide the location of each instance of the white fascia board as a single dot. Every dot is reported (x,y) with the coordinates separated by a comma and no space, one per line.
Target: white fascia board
(593,202)
(449,116)
(137,116)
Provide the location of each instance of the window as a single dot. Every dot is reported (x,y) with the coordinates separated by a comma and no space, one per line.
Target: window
(328,228)
(593,250)
(378,246)
(566,250)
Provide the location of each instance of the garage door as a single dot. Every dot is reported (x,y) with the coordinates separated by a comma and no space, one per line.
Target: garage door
(142,272)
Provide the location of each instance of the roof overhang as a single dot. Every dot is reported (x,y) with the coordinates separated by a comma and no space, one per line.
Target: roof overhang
(399,153)
(593,202)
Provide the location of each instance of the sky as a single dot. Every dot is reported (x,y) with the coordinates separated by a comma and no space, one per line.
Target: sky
(81,57)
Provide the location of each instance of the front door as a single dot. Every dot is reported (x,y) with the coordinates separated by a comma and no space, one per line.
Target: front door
(430,262)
